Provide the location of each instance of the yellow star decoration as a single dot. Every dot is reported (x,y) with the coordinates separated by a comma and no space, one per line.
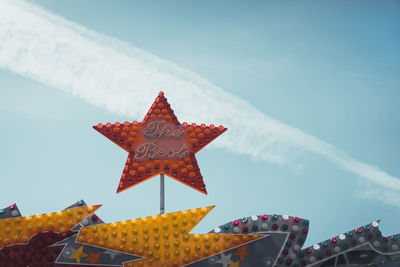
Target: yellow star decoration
(20,229)
(163,240)
(77,254)
(234,264)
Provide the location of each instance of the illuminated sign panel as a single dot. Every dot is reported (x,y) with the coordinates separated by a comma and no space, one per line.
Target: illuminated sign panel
(163,140)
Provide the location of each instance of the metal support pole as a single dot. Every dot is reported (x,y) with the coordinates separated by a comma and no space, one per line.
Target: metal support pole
(162,194)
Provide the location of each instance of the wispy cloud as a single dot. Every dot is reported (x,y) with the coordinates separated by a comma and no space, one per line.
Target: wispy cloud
(116,76)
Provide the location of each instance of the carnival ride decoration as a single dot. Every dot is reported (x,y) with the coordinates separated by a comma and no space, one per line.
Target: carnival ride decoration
(161,145)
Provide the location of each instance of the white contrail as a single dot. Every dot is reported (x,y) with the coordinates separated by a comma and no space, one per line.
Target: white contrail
(121,78)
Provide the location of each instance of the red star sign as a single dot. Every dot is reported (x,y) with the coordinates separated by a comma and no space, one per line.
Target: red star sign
(160,144)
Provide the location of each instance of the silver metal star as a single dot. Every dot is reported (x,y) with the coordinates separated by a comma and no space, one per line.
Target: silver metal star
(225,260)
(112,254)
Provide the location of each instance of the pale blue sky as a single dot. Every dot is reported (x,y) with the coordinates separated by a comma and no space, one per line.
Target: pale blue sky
(328,68)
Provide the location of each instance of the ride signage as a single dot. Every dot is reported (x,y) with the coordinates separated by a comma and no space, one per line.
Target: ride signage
(163,140)
(160,144)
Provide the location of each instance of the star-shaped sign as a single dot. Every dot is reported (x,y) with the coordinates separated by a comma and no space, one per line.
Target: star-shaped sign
(160,144)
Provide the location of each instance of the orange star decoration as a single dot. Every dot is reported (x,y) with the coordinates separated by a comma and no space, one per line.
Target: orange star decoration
(77,254)
(163,240)
(93,257)
(19,230)
(241,252)
(160,144)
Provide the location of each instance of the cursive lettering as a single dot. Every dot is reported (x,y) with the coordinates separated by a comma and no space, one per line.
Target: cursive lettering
(161,128)
(152,150)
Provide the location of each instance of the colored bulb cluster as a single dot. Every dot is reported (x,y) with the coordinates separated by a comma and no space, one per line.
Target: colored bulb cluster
(162,240)
(160,144)
(263,223)
(9,212)
(30,241)
(295,227)
(20,229)
(321,252)
(201,135)
(92,219)
(185,169)
(161,109)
